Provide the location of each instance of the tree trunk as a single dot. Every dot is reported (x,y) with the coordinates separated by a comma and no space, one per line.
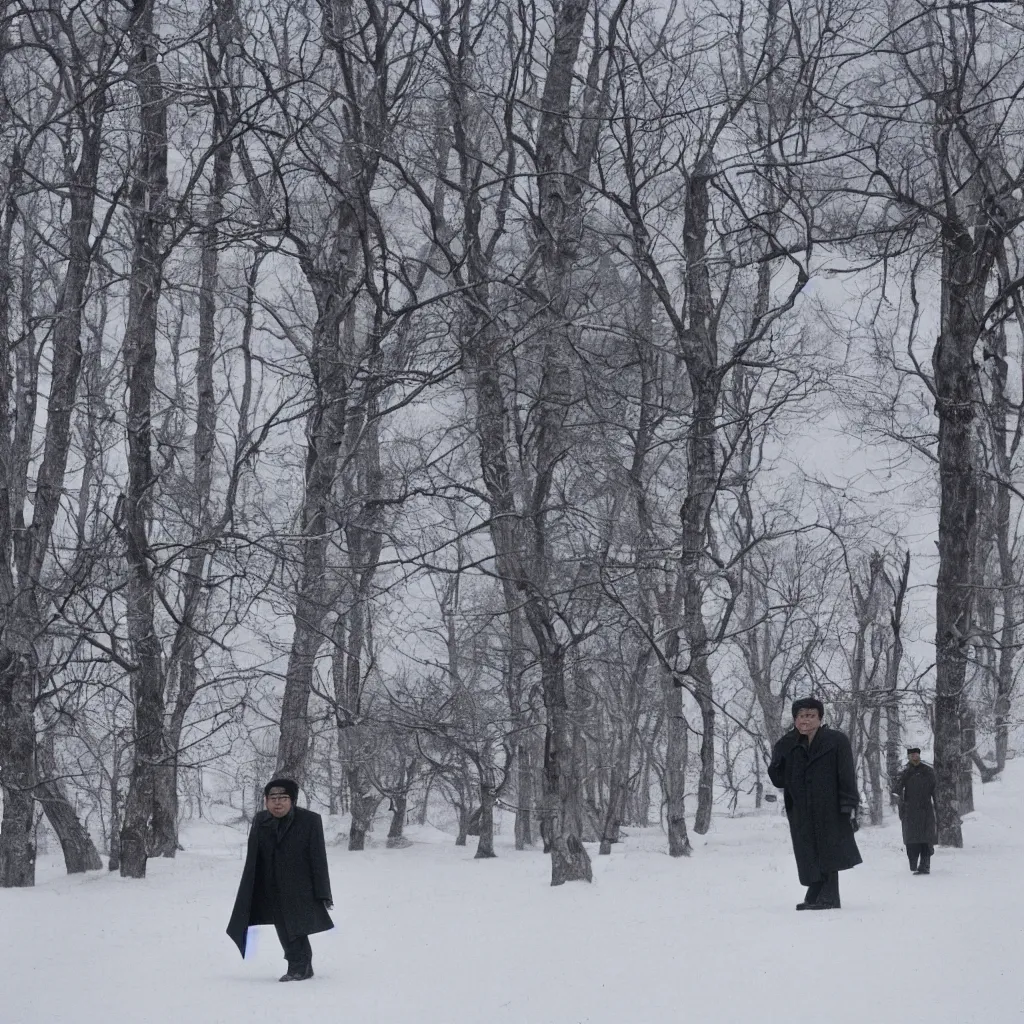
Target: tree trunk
(185,650)
(965,779)
(569,859)
(873,760)
(80,853)
(307,639)
(485,847)
(524,797)
(325,430)
(114,858)
(642,812)
(421,819)
(332,784)
(676,751)
(400,807)
(363,805)
(700,352)
(953,364)
(148,199)
(163,839)
(17,755)
(1004,691)
(616,804)
(24,549)
(893,738)
(1001,515)
(17,685)
(462,809)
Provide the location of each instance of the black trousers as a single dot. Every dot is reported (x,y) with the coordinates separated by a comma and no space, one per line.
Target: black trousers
(297,950)
(825,890)
(919,852)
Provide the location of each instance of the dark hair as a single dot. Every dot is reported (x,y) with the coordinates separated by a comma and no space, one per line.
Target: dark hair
(913,750)
(808,704)
(288,785)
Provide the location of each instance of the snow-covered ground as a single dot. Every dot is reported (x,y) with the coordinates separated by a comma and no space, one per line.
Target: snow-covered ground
(427,935)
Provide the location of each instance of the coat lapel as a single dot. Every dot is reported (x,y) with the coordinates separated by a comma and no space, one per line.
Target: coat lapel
(822,745)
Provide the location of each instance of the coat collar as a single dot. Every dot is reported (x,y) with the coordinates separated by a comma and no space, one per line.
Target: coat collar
(279,826)
(823,742)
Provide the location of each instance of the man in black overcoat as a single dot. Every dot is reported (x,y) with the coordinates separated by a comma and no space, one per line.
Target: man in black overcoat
(285,881)
(915,791)
(813,765)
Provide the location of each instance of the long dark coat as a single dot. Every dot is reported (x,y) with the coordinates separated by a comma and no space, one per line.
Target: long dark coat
(916,793)
(285,877)
(820,785)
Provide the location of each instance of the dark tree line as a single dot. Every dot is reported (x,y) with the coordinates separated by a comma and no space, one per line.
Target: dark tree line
(415,400)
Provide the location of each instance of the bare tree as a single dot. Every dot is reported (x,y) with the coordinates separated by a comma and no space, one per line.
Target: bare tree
(937,132)
(148,199)
(55,43)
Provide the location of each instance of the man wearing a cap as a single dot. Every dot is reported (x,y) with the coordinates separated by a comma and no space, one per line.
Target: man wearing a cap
(813,765)
(285,881)
(915,791)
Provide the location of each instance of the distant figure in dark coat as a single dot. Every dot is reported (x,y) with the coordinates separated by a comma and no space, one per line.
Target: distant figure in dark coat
(915,792)
(285,881)
(813,764)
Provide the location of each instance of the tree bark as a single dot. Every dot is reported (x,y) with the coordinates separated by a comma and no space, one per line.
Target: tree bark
(524,797)
(17,755)
(363,804)
(80,853)
(965,777)
(398,812)
(700,352)
(893,753)
(676,751)
(622,760)
(148,201)
(873,759)
(325,430)
(1003,450)
(966,270)
(114,858)
(485,846)
(185,651)
(24,549)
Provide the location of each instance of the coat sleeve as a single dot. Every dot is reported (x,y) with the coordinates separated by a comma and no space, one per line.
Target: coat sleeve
(901,792)
(318,856)
(777,767)
(849,798)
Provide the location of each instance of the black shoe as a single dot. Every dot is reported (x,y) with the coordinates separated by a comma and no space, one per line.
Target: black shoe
(804,906)
(923,871)
(822,906)
(300,972)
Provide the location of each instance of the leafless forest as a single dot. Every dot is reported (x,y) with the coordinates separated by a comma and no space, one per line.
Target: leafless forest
(443,402)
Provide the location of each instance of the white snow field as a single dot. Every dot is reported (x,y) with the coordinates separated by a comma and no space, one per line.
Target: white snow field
(427,935)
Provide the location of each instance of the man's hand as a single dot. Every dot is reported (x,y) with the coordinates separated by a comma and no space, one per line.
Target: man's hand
(851,812)
(328,904)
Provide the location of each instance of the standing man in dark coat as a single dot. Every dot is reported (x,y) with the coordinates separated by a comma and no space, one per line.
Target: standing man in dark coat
(285,881)
(813,765)
(915,792)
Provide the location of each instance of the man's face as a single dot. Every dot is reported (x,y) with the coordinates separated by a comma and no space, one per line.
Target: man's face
(915,758)
(807,721)
(278,802)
